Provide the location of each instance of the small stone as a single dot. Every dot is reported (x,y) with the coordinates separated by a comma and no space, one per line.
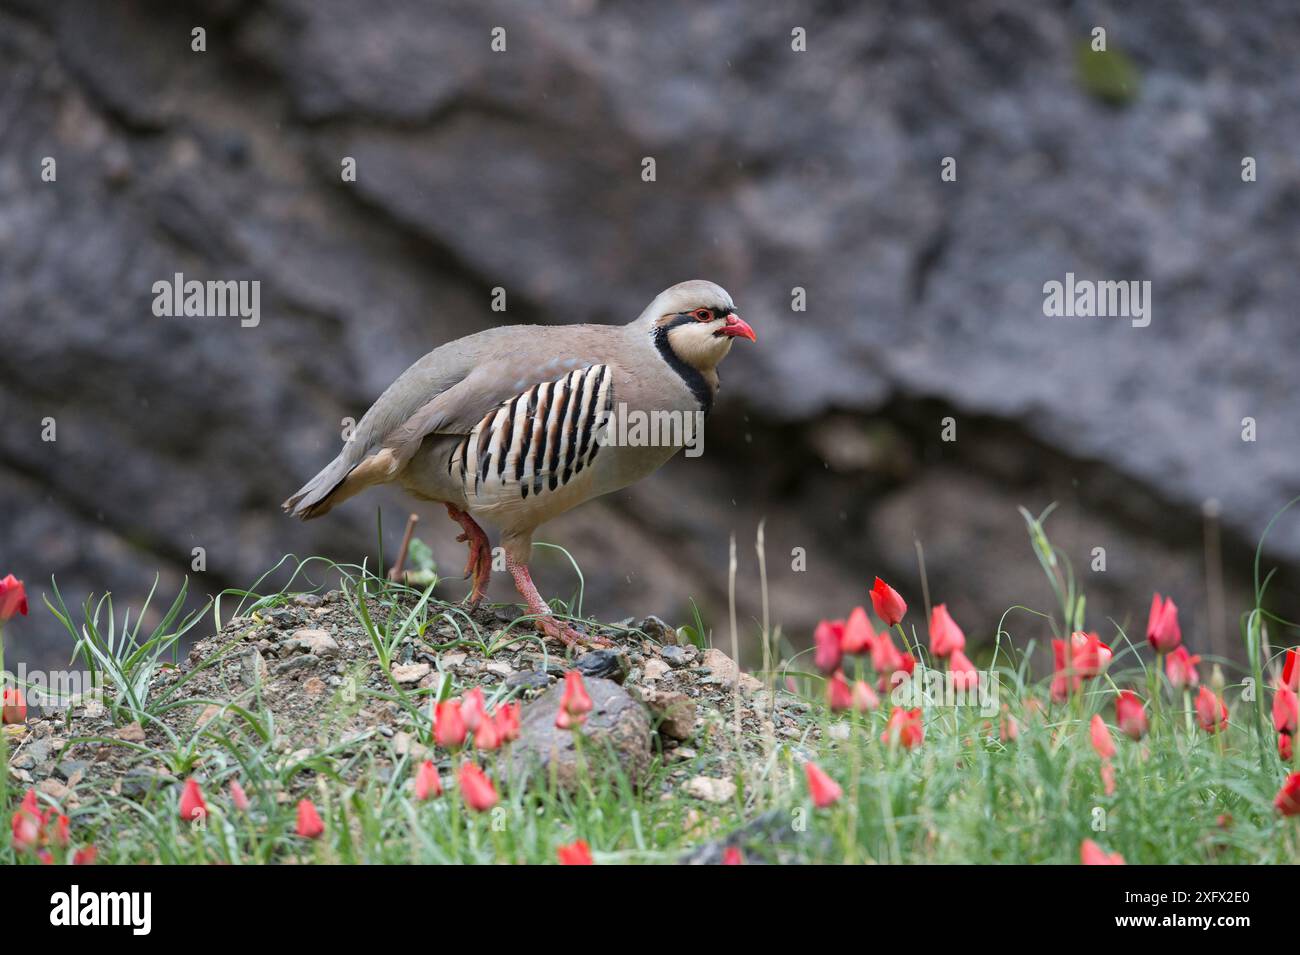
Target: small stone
(500,669)
(313,686)
(408,673)
(675,656)
(308,600)
(602,664)
(293,664)
(210,713)
(316,642)
(253,668)
(53,788)
(674,713)
(70,769)
(655,670)
(710,789)
(528,680)
(726,672)
(657,630)
(131,733)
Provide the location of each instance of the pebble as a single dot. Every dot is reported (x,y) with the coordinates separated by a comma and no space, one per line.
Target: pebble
(316,642)
(655,670)
(676,657)
(657,630)
(710,789)
(528,680)
(602,664)
(410,672)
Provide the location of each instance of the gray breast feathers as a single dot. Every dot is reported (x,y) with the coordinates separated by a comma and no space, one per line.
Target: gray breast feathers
(535,442)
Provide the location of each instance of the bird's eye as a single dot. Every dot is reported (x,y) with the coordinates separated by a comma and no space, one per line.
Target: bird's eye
(703,315)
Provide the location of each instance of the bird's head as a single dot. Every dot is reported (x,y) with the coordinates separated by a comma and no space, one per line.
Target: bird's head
(698,321)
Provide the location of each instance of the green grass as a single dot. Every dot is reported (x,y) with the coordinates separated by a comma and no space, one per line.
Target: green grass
(964,795)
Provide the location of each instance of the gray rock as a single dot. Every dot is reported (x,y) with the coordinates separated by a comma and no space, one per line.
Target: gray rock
(603,664)
(675,656)
(528,680)
(615,739)
(657,630)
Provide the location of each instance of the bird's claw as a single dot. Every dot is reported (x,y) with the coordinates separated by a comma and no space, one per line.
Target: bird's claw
(569,636)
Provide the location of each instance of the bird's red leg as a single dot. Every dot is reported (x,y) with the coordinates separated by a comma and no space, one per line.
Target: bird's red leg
(479,565)
(546,621)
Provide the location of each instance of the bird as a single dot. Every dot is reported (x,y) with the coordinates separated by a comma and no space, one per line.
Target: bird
(512,426)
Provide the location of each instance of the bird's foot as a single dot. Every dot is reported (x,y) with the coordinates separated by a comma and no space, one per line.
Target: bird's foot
(544,620)
(398,571)
(479,564)
(570,636)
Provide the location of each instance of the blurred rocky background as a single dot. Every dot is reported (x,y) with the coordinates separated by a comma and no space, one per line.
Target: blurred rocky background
(775,169)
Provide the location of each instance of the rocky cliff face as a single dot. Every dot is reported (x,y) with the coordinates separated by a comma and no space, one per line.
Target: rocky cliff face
(774,170)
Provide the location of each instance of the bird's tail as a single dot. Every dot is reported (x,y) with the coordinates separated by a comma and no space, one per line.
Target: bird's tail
(318,495)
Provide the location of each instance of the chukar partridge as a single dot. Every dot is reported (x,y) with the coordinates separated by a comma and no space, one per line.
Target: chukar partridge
(508,427)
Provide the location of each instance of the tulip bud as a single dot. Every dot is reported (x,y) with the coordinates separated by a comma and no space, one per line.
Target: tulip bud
(889,606)
(309,821)
(823,790)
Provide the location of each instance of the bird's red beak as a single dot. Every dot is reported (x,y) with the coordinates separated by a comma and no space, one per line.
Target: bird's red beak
(737,327)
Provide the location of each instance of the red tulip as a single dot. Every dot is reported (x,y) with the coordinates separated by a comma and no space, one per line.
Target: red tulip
(1088,655)
(1286,709)
(945,636)
(864,697)
(1284,749)
(824,790)
(427,781)
(54,828)
(578,853)
(1064,679)
(13,706)
(476,789)
(192,805)
(26,824)
(733,856)
(1108,777)
(1130,716)
(85,856)
(904,728)
(1291,672)
(885,657)
(488,735)
(1101,741)
(448,725)
(13,598)
(238,796)
(838,695)
(857,635)
(889,606)
(1288,797)
(1211,711)
(828,639)
(964,675)
(1180,667)
(1163,632)
(575,704)
(1092,854)
(507,717)
(309,822)
(473,709)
